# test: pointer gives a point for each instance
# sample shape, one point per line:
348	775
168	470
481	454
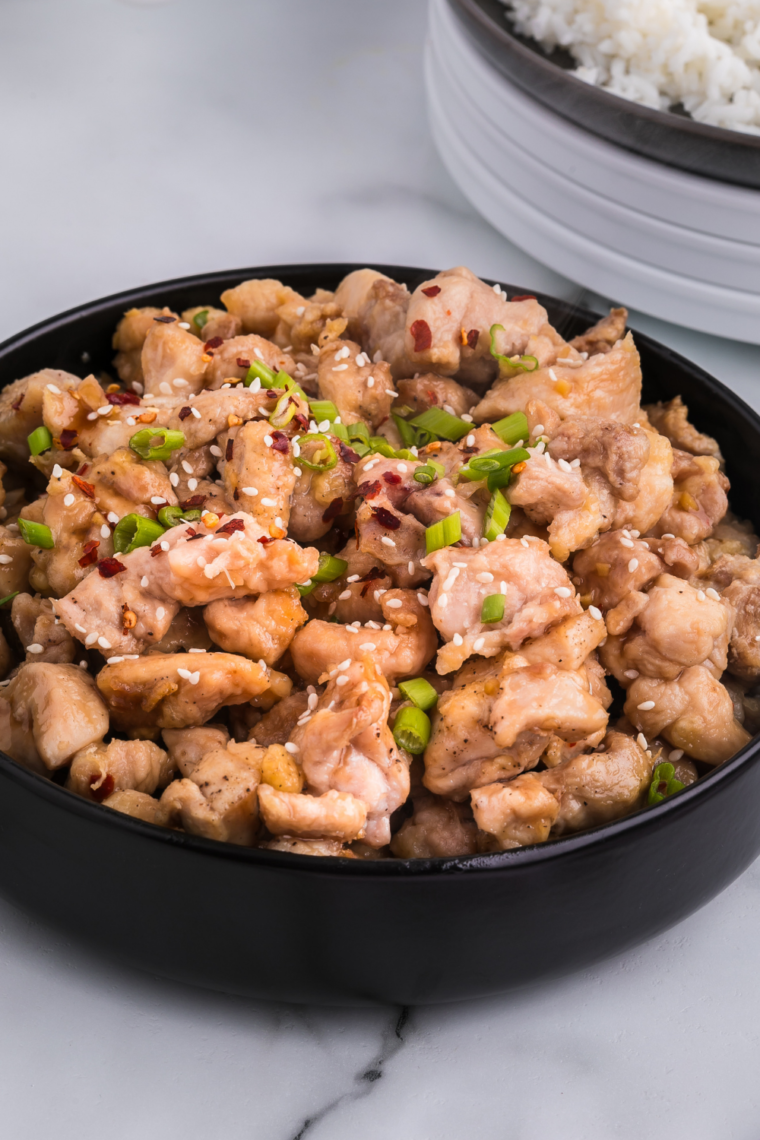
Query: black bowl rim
565	846
615	103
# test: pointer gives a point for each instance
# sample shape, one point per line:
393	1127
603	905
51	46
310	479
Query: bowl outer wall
278	926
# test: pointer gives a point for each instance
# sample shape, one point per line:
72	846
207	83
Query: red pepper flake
391	477
165	320
17	403
230	527
110	567
333	510
302	421
194	503
423	337
213	343
90	553
122	398
68	439
86	488
386	518
347	454
156	550
236	494
432	290
280	442
229	449
85	467
104	789
472	338
191	533
194	536
468	450
242	362
185	412
524	297
369	490
370	577
264	540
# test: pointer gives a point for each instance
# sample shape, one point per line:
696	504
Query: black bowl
665	136
290	927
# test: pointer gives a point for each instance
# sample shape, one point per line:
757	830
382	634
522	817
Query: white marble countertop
145	141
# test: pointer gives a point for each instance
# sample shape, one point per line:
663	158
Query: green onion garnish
36	534
173	516
379	444
142	442
262	372
200	319
133	531
325	457
360	448
512	428
39	440
492	609
663	784
443	533
425	474
284	410
9	597
442	424
340	431
514	364
420	692
323	410
497	516
493	461
405	430
358	432
411	730
328	570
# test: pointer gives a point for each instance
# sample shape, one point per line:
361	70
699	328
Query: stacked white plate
681	247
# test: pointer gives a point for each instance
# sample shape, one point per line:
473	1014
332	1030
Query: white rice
703	54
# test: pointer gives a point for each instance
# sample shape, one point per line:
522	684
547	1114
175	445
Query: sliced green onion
512	428
497	516
491	463
514	364
379	444
9	597
323	410
663	784
262	372
420	692
492	609
174	516
142	442
405	430
411	730
339	430
442	424
36	534
500	478
39	440
403	453
328	570
425	474
200	319
360	448
358	432
327	453
284	410
443	533
133	531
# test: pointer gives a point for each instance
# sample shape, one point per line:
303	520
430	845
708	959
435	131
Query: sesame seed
184	674
164	387
35	648
313	700
402	467
92	415
700	595
5	559
394	603
268	503
711	593
448	408
563	465
91	639
668	536
563	591
112	517
268	440
216	451
468	420
103	643
368	646
174	479
291	748
538	430
499	538
194	678
370	381
79	628
423	599
479	643
192	485
259	353
193	650
450	493
324	425
484	577
387	541
297	472
443	601
113	660
156	500
69	500
575	463
342	680
251	491
196	413
645	706
631	674
183	325
57	470
626	542
470	440
641	740
633	565
676	754
378	594
52	388
178	382
164	545
457	639
387	628
344	596
340	367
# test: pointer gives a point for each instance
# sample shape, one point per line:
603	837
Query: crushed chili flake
347	454
391	477
17	403
230	527
213	343
90	553
185	412
368	490
156	550
122	398
423	337
432	290
86	488
333	510
104	789
243	363
191	532
109	567
83	468
468	450
523	297
301	420
370	577
280	442
68	438
229	450
265	541
194	503
386	518
165	320
194	536
472	338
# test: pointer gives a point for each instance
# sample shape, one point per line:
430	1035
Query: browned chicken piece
17	739
192	471
15	561
125	484
230	361
672	420
137	804
7	660
217	412
437	829
21	410
694	712
332	815
256	303
100	769
541	697
318	847
655	488
129	339
175	690
743	594
359	388
397	540
41	635
558	497
277	725
188	746
220	799
604	335
307	321
347	746
86	421
258	476
313	503
615	566
187	631
515	814
399	652
607	385
172	361
60	705
74	521
208	322
448	327
699	499
617	451
732	536
375	307
432	391
537	594
261	628
354	592
676	626
597	787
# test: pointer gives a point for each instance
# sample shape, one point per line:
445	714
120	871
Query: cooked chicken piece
256	303
615	566
89	430
128	340
60	705
21	410
375	307
676	627
100	769
699	499
231	360
207	322
172	361
568	644
7	660
600	786
607	385
40	633
333	815
220	799
15	561
303	322
732	536
74	521
125	484
515	814
359	388
694	712
137	804
258	476
540	697
655	488
617	451
743	594
672	420
552	495
319	847
261	629
188	746
432	391
448	327
175	690
604	335
355	599
399	653
438	828
394	539
314	501
17	738
187	631
537	594
217	412
277	725
347	746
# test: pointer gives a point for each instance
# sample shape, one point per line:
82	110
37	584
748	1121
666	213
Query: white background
146	141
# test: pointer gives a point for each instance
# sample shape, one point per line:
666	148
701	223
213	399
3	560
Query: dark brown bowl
665	136
336	931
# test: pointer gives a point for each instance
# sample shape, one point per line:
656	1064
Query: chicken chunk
137	765
172	361
540	697
261	629
61	706
208	322
21	410
128	341
277	725
188	746
438	828
40	633
655	488
441	499
743	594
552	495
137	804
333	815
74	521
331	848
515	814
432	391
230	361
699	499
256	304
672	420
359	388
617	451
315	496
375	308
393	538
615	566
259	477
220	799
15	561
125	484
604	335
597	787
217	412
